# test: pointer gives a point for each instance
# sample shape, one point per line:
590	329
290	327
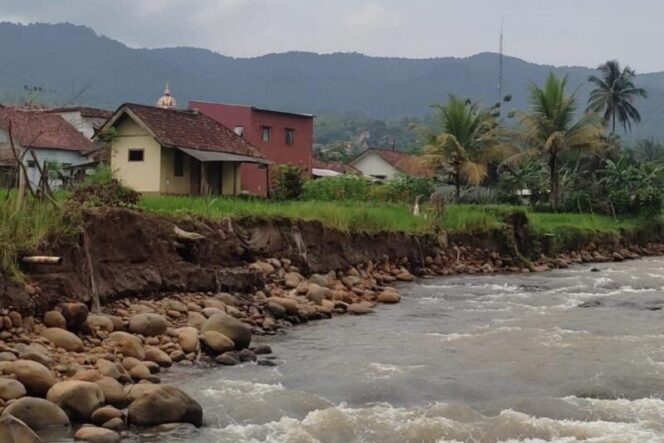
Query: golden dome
166	100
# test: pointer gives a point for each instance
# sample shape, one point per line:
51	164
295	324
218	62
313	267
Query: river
468	358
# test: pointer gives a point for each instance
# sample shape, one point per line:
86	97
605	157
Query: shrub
288	182
404	188
341	187
101	189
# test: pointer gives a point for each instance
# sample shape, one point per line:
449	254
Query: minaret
167	101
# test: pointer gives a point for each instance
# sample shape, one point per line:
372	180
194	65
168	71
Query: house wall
170	184
300	153
84	125
142	176
373	165
61	157
231	180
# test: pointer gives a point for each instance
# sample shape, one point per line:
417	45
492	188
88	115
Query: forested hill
53	63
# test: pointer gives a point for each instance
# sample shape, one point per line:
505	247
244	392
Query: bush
288	182
341	187
404	188
101	189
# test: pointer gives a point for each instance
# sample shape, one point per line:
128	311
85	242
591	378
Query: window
32	164
136	155
265	133
178	163
290	136
4	137
239	130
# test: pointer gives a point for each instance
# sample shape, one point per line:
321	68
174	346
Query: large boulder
36	377
232	328
114	393
317	293
134	392
158	356
100	322
79	399
93	434
55	319
188	338
166	404
37	413
289	304
126	344
63	339
389	295
216	342
196	320
13	430
148	324
11	389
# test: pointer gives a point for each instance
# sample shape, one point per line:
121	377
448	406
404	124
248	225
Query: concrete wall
373	165
84	125
231	180
170	184
142	176
61	157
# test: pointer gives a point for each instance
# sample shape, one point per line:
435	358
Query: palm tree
614	95
468	141
551	129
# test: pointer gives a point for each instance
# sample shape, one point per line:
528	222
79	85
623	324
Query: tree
552	129
468	142
614	95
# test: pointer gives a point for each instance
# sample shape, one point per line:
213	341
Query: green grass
551	222
33	226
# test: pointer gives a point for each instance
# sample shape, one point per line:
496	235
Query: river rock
93	434
37	413
388	296
7	356
167	404
63	339
262	267
140	372
148	324
36	377
34	352
196	320
11	389
115	424
55	319
188	338
292	279
114	394
320	280
275	309
134	392
218	343
90	375
104	414
231	327
76	315
209	312
227	359
100	322
316	293
108	369
14	430
359	309
126	344
289	304
79	399
158	356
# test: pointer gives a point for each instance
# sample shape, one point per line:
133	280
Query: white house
55	143
383	164
87	120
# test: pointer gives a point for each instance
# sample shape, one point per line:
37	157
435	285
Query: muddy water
474	358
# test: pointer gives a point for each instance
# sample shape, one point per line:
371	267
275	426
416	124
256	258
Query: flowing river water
469	358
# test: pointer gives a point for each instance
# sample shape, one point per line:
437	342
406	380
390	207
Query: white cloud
373	17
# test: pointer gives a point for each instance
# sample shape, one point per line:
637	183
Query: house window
4	138
136	155
178	163
32	164
239	130
290	136
265	133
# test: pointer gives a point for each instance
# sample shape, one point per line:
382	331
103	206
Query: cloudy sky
561	32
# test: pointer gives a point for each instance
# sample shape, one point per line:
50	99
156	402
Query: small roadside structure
163	150
383	164
43	141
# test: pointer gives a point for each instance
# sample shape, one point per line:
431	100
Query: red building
282	137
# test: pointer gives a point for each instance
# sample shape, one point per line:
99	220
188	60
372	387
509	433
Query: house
44	139
383	164
87	120
282	137
321	169
163	150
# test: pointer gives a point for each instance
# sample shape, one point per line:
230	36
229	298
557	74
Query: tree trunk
613	124
554	196
457	184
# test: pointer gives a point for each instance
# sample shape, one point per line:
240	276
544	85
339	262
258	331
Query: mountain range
72	64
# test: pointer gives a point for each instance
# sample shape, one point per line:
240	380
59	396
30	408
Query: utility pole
500	67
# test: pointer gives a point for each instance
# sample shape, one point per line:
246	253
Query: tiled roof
35	129
335	166
407	163
190	130
85	111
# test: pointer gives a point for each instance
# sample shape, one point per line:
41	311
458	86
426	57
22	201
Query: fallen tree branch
183	235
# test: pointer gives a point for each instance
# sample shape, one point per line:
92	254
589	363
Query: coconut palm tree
614	95
552	129
469	140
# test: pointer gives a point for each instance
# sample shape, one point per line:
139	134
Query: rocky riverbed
96	376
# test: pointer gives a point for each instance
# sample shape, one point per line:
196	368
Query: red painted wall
300	153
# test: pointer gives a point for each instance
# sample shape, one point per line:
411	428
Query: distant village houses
384	164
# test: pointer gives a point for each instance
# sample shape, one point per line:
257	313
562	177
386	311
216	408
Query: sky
556	32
